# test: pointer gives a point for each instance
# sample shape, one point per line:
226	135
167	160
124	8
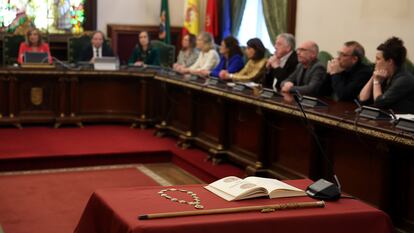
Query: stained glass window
53	16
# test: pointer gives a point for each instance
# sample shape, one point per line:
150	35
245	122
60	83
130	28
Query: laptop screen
36	57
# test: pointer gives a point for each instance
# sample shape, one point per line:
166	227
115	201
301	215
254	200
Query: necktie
96	52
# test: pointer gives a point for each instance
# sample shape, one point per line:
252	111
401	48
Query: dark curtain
275	14
237	10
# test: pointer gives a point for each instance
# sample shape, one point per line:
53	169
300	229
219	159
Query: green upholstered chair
11	45
409	66
366	61
324	57
167	53
75	46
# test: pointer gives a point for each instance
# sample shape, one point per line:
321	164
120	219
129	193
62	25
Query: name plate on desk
312	102
193	78
239	87
267	93
373	113
37	66
212	81
106	63
405	124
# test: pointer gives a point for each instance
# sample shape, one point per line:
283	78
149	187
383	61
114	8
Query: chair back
409	66
75	46
166	51
324	57
11	45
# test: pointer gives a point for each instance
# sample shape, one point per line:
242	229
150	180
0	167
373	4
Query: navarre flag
211	21
191	17
164	34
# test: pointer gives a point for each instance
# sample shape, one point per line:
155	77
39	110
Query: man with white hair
282	63
309	74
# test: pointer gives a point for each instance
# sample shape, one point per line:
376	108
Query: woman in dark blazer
144	53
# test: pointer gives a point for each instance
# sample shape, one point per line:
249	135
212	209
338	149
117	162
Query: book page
233	188
275	188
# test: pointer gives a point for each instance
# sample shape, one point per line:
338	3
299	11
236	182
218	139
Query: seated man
391	85
282	63
309	74
97	48
346	73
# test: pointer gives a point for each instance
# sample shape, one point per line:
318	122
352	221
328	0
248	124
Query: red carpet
43	147
44	142
53	203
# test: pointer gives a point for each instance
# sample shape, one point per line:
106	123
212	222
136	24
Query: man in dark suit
309	74
282	63
347	74
97	48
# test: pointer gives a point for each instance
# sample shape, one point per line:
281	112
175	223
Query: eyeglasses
302	50
342	54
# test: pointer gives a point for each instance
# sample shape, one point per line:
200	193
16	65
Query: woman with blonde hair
207	59
33	43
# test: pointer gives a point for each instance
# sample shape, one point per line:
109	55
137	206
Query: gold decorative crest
36	95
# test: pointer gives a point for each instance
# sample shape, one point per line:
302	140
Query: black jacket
281	73
397	93
87	52
347	84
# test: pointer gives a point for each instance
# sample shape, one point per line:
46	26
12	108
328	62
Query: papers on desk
405	116
248	84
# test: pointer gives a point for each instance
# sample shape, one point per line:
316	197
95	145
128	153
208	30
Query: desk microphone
64	65
359	109
321	189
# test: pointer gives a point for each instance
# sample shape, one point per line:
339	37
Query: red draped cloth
117	211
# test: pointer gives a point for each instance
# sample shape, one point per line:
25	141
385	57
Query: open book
232	188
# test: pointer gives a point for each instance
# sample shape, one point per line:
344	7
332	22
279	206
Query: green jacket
150	57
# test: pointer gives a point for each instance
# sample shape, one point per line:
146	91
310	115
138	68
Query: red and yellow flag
191	17
211	22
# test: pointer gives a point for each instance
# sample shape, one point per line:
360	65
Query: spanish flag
191	17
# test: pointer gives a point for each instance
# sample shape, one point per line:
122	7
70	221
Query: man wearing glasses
309	74
347	73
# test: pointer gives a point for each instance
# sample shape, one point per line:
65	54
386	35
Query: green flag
164	34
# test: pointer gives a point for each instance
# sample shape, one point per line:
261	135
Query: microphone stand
321	189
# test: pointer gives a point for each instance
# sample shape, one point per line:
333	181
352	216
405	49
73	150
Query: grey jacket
311	82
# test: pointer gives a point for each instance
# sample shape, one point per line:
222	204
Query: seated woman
144	53
207	59
254	69
33	43
188	53
231	59
391	85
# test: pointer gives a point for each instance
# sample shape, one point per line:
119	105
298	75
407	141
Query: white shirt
99	51
282	64
284	59
206	60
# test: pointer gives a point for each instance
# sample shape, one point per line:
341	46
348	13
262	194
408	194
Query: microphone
321	189
359	109
61	63
394	118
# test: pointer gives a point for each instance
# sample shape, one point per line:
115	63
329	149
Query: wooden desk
373	160
66	96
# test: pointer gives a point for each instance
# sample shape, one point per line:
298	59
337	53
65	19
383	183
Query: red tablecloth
116	211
